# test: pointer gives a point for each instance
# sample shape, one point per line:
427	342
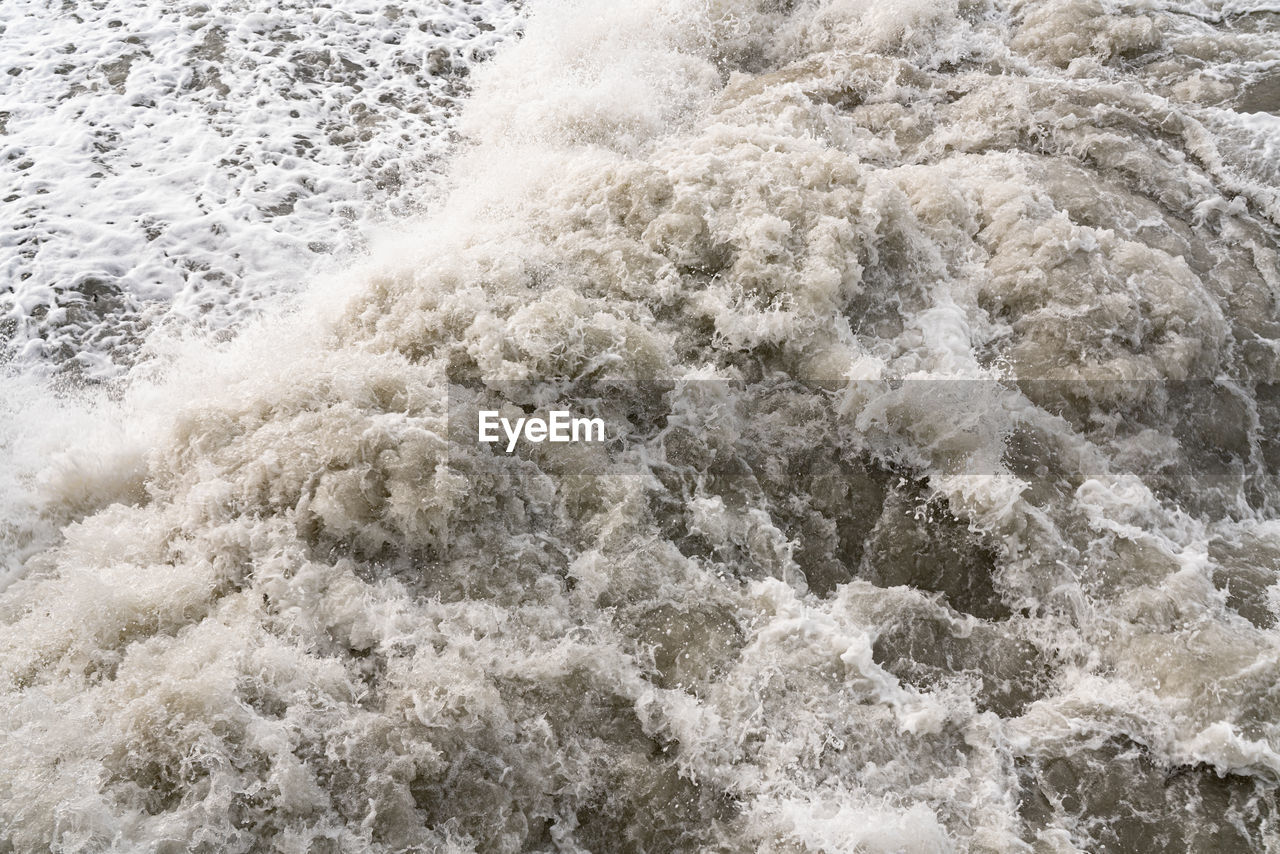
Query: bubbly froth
942	337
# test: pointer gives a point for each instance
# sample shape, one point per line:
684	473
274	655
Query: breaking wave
939	343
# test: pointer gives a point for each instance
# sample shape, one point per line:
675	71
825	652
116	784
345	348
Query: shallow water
175	163
937	343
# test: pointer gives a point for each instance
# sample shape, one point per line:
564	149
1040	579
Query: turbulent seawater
172	164
939	345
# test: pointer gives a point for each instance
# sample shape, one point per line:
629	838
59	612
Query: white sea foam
180	162
941	342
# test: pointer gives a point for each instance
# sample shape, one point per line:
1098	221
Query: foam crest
937	343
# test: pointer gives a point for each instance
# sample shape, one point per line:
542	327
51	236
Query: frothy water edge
290	610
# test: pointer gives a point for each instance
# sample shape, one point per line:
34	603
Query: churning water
939	344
